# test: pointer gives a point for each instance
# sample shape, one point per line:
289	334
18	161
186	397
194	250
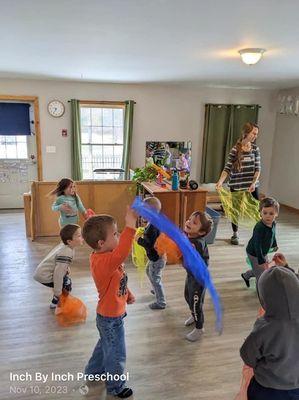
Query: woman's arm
257	169
221	180
254	181
227	169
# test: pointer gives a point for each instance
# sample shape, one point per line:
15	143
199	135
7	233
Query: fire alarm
64	132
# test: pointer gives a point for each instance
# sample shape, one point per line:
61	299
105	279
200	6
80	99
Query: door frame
34	100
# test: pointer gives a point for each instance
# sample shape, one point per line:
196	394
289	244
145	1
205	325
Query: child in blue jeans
156	263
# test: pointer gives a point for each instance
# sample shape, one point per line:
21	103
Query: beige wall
284	178
162	112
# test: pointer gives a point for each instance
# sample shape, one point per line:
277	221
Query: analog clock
56	108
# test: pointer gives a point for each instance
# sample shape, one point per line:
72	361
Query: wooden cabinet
104	197
177	204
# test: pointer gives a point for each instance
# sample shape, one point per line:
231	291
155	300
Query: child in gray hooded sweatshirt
272	348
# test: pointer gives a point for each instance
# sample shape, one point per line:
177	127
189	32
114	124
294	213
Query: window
102	134
13	147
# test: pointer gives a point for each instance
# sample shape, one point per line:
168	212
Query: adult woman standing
243	167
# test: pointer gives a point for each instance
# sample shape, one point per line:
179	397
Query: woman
243	167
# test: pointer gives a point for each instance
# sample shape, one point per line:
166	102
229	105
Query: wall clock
56	108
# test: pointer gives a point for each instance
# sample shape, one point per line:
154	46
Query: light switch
51	149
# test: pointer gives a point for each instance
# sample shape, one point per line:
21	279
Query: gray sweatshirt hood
278	289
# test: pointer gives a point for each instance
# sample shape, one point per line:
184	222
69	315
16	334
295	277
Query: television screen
171	155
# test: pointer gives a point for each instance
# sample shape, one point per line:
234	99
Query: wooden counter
103	197
177	204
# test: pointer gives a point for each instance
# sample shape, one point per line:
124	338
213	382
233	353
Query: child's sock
194	335
54	302
189	321
156	306
125	393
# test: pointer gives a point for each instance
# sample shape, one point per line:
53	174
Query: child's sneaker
194	335
189	321
125	393
54	302
246	280
153	292
234	239
156	306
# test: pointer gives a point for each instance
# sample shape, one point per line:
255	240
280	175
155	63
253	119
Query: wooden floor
161	363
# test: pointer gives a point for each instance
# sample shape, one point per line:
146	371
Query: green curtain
128	133
223	127
77	174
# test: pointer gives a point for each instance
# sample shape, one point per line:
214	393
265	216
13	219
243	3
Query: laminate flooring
161	363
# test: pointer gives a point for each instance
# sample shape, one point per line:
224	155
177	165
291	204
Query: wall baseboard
293	209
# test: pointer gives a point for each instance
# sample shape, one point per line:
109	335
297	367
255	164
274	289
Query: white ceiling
151	40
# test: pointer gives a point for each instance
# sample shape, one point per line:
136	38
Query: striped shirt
250	164
54	267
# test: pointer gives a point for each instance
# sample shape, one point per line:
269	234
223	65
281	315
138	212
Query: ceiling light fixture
251	56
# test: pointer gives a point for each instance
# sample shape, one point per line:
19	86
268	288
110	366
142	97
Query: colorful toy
240	207
164	245
70	310
193	262
161	171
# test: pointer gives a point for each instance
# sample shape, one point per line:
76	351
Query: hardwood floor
161	363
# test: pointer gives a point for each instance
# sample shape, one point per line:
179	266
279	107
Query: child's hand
251	188
280	260
265	266
131	218
138	236
65	207
131	299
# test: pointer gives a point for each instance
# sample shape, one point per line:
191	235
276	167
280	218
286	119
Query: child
272	347
182	162
197	227
156	263
68	203
262	240
53	271
108	272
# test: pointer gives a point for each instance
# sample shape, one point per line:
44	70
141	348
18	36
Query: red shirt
110	277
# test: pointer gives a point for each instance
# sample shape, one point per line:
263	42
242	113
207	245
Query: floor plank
161	363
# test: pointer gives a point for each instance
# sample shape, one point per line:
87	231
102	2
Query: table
177	204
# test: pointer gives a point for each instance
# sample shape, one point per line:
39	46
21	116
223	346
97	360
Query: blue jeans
154	273
259	392
109	355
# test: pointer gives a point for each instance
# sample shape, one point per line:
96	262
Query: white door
18	168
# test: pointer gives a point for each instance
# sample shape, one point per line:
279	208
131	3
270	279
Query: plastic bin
210	238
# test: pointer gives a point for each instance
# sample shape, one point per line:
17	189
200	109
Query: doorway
20	157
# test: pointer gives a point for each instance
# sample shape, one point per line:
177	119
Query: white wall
162	112
284	177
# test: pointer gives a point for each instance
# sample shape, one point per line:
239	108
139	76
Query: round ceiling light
251	56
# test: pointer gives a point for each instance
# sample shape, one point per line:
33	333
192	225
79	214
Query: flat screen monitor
171	155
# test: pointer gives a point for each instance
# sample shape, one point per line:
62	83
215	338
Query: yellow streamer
139	256
240	207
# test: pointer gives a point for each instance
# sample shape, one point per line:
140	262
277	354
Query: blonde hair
153	202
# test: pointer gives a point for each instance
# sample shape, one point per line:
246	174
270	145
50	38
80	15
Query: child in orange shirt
108	272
